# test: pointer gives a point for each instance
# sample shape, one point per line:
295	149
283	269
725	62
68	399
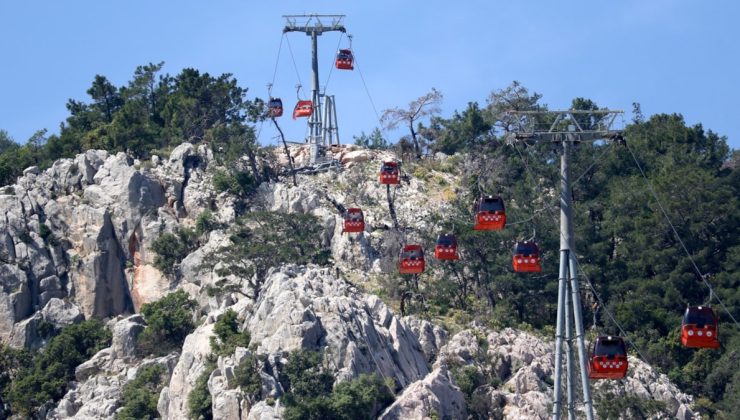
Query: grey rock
59	312
434	394
125	335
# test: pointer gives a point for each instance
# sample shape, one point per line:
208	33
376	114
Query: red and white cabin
345	60
446	247
490	213
389	173
699	328
608	358
303	109
354	221
526	258
411	260
275	108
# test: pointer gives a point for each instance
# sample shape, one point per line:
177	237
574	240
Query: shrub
141	395
172	248
205	223
228	337
44	231
169	320
247	377
200	405
47	376
310	394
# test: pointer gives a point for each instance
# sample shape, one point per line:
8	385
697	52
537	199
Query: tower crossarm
557	126
313	23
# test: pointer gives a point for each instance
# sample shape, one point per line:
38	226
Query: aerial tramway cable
680	241
367	91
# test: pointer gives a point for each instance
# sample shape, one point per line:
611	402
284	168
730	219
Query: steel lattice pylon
314	25
565	128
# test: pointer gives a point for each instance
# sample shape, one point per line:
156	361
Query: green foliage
461	132
172	248
310	394
228	337
374	141
205	223
261	240
200	405
241	184
140	396
247	376
361	398
169	320
152	112
46	376
612	406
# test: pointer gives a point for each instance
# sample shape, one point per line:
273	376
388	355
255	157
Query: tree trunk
287	152
417	148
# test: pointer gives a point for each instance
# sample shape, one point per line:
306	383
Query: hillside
272	277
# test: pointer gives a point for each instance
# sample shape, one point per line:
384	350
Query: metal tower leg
315	119
582	355
562	281
569	355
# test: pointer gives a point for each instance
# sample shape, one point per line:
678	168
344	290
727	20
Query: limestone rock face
310	308
82	230
523	364
189	367
435	395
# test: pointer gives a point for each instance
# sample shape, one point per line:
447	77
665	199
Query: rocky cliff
75	243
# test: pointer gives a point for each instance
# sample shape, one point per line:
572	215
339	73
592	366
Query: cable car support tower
563	129
314	25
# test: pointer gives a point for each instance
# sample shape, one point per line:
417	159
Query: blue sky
670	56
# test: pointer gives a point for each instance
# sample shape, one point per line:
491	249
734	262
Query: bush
169	320
172	248
205	223
228	337
247	377
310	394
200	405
141	395
47	376
240	183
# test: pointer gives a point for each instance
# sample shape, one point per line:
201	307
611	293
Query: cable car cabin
490	213
389	173
526	257
275	108
303	109
446	248
411	260
354	221
699	328
345	60
608	358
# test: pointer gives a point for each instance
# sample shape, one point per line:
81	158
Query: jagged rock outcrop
75	243
435	396
82	230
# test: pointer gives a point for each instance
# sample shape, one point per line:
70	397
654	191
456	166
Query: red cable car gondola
303	109
411	260
389	173
354	221
699	328
275	108
526	258
345	60
446	247
608	358
490	213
